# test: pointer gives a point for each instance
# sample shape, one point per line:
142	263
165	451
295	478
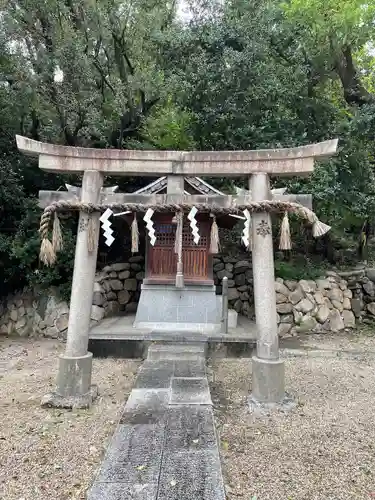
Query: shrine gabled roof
197	183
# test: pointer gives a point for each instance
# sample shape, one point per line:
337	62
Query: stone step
188	351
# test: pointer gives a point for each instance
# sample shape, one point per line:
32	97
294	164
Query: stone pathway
165	446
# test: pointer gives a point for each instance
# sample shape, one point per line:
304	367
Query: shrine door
162	260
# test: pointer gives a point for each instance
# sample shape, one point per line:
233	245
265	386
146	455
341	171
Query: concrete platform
121	328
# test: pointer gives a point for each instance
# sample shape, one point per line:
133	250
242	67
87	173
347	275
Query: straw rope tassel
214	237
319	228
91	234
135	235
285	239
47	254
57	240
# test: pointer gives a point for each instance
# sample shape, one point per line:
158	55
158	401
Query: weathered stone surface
136	259
348	318
229	267
241	266
223	273
130	284
323	284
98	299
319	298
307	286
280	298
244	296
233	294
369	288
13	315
284	308
219	267
335	294
286	318
334	322
357	307
370	273
291	285
120	266
123	297
307	324
281	288
111	296
124	275
97	313
242	288
140	276
116	285
283	329
347	294
305	306
323	313
238	306
338	305
240	279
62	322
371	308
136	267
347	304
296	296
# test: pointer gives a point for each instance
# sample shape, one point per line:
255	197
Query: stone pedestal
167	308
267	368
73	388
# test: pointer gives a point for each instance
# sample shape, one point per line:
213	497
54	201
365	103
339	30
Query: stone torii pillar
74	378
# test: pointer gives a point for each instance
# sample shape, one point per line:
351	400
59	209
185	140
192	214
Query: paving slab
155	375
120	491
146	406
134	456
190	391
193	368
190	428
191	475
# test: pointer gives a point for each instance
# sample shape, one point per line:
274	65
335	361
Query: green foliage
132	74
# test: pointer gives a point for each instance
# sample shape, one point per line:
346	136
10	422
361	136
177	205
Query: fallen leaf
173	482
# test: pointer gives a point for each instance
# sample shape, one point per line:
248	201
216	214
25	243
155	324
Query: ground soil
324	449
48	454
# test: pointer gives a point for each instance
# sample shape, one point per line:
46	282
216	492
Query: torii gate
74	377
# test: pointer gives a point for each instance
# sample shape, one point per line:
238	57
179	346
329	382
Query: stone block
120	266
109	296
286	318
280	298
237	306
189	391
219	266
51	332
224	273
21	323
155	375
241	266
370	273
240	279
357	307
97	299
281	288
233	294
296	296
305	306
323	313
283	329
319	298
97	287
116	285
124	275
291	285
136	259
134	456
335	294
348	318
229	267
284	308
130	284
323	284
112	307
307	286
338	305
191	475
14	315
136	267
307	324
62	322
370	307
334	322
97	313
123	297
369	288
132	307
121	491
348	294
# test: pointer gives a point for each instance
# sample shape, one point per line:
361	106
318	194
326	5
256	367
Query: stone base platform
121	328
